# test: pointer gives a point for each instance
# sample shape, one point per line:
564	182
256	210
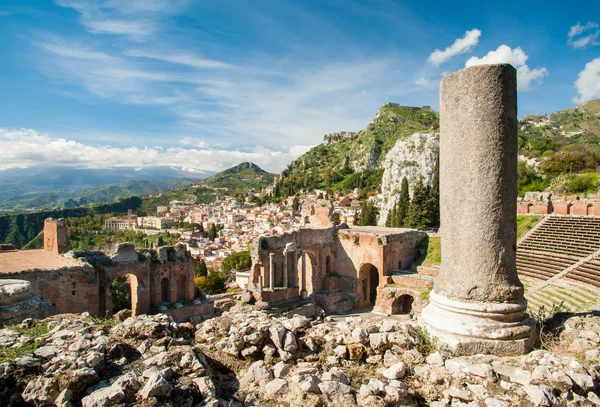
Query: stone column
303	293
260	283
295	274
477	305
285	270
272	271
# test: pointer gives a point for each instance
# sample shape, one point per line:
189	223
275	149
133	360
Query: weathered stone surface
477	305
155	386
107	396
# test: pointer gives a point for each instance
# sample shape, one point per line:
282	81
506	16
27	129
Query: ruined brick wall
316	214
55	236
66	290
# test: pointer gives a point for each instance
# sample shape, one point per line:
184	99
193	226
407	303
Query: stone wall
66	290
55	236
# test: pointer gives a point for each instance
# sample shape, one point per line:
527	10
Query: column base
304	294
468	328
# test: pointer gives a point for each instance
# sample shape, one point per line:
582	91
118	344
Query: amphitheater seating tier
559	243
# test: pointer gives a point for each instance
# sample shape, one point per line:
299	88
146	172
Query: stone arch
403	304
569	206
165	290
107	290
589	209
369	280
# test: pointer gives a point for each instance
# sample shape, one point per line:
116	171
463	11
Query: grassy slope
394	123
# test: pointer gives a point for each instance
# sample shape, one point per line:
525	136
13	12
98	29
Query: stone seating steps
560	242
542	265
588	272
574	296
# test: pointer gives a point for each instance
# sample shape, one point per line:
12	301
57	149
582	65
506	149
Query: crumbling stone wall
55	236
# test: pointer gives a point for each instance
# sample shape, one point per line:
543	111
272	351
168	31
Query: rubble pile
247	357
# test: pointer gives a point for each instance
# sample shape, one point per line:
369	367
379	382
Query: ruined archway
123	294
165	289
369	279
403	304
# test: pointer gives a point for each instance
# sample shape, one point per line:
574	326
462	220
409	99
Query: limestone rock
396	371
276	386
41	391
106	396
155	386
412	158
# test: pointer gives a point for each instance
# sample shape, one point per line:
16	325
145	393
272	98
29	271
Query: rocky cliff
411	158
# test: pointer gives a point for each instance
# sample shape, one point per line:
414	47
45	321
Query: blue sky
208	84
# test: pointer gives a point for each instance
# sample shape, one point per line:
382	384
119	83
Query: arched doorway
403	304
123	294
164	290
369	278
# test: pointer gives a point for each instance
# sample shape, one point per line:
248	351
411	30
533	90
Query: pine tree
368	214
295	204
418	213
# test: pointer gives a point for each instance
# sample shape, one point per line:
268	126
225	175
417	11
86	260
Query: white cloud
588	82
427	83
577	40
461	45
517	58
26	147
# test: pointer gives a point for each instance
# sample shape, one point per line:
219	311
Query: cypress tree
418	213
403	204
434	196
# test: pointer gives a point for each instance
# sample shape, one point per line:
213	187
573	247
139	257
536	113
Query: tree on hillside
201	228
236	261
212	233
295	204
402	205
418	215
201	269
368	214
433	202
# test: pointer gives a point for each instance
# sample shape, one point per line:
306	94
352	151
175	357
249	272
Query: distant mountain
41	187
242	178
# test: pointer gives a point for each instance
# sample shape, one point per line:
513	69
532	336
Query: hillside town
237	223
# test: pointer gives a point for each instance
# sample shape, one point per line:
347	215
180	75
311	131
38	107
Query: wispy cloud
576	38
461	45
133	19
278	102
588	82
26	147
181	58
517	58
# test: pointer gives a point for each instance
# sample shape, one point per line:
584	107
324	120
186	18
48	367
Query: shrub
213	283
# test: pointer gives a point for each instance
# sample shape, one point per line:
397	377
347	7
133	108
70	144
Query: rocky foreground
248	358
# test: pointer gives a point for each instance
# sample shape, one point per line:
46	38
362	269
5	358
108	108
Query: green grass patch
36	330
104	321
525	223
431	252
7	354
